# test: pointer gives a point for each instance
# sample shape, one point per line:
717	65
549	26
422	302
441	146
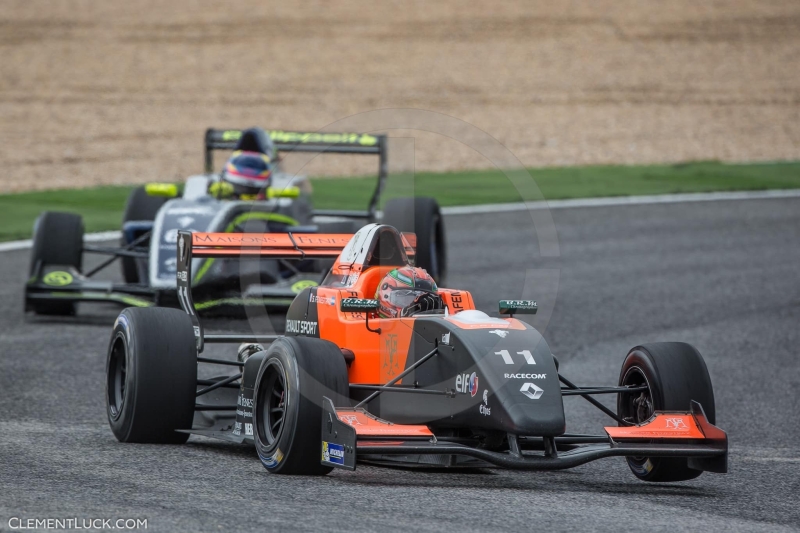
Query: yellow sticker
286	192
304	284
231	135
58	278
168	190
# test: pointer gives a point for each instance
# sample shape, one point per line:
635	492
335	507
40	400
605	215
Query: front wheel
297	372
151	376
675	374
57	240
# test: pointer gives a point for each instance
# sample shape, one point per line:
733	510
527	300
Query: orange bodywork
379	356
661	426
367	425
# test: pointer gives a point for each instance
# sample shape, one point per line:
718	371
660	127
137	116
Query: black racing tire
57	240
140	206
287	413
422	216
151	376
675	374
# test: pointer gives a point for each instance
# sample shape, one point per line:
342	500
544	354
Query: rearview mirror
523	307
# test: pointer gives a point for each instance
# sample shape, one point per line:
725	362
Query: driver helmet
406	291
248	172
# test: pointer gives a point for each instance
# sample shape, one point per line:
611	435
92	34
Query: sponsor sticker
456	299
274	460
298	286
332	453
525	376
676	423
325	300
191	211
350	419
351	305
301	327
351	279
484	408
467	383
58	279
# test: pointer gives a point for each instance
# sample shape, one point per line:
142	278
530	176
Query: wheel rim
117	372
272	399
636	407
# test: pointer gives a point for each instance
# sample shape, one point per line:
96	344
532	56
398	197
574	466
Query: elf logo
467	383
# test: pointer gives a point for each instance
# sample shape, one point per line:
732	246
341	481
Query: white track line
90	237
622	200
521	206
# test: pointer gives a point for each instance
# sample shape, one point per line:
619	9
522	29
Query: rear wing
228	245
275	245
297	141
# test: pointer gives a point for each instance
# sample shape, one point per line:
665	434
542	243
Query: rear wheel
287	415
57	240
140	207
675	374
422	217
151	376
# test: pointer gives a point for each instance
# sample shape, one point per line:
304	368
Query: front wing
60	284
668	434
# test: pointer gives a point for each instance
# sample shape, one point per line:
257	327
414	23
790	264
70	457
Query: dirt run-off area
101	91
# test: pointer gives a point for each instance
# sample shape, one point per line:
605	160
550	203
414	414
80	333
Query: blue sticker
272	461
332	453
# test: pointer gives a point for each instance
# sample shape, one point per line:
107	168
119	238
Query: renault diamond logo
184	221
531	391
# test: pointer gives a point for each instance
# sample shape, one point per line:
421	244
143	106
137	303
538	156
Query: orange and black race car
447	387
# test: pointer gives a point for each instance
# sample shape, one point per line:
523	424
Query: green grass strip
102	207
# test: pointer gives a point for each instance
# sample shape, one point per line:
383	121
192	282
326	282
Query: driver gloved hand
424	302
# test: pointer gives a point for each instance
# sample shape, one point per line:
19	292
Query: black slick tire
57	240
151	376
675	374
297	372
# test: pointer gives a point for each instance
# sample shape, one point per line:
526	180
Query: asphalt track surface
722	276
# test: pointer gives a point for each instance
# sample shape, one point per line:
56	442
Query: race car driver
248	172
407	291
246	176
